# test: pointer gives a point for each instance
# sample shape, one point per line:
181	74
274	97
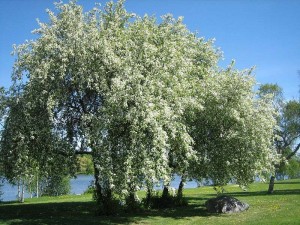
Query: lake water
78	186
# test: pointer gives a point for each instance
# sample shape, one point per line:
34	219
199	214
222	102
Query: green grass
282	207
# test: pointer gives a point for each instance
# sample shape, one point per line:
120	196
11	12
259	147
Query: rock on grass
225	204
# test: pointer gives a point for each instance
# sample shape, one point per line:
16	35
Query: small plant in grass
166	200
219	189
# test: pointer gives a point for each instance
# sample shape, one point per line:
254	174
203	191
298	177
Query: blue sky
265	34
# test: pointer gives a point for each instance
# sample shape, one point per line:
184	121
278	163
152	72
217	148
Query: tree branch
82	153
293	152
75	153
289	142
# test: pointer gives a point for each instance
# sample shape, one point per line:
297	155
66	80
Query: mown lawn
282	207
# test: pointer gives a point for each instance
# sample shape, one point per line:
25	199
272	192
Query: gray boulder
225	204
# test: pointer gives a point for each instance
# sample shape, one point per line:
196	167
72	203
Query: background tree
288	122
290	169
85	164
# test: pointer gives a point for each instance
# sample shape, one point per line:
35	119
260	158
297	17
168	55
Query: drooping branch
75	153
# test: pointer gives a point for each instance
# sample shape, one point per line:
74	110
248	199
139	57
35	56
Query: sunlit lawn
282	207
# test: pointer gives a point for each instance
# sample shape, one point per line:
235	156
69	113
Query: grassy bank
282	207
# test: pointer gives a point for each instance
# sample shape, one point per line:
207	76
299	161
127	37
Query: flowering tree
127	90
28	149
233	133
117	89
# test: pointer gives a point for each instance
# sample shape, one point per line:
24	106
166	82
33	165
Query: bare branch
294	152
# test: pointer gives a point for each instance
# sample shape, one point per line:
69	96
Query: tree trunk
271	185
19	191
180	188
165	193
166	200
131	202
148	196
30	189
272	179
97	191
23	191
103	196
107	205
37	185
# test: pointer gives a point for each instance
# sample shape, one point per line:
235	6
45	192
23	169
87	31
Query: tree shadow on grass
264	193
286	182
74	213
55	213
